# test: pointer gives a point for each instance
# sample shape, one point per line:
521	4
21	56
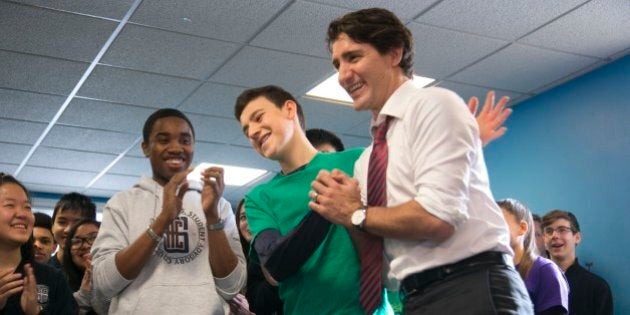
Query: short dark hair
43	220
379	28
557	214
275	94
76	202
537	218
318	137
163	113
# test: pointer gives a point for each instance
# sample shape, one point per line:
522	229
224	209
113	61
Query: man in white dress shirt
446	244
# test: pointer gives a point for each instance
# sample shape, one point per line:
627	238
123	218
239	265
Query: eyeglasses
77	242
562	230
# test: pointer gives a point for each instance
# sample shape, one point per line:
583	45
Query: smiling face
44	244
82	244
561	241
368	76
64	220
268	127
170	148
16	217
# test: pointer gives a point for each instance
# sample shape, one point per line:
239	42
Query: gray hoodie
178	278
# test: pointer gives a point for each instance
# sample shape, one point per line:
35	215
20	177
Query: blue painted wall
569	148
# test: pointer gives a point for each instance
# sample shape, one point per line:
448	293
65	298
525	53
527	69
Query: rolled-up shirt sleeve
230	285
443	152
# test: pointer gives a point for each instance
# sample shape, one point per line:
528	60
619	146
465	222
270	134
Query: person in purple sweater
546	284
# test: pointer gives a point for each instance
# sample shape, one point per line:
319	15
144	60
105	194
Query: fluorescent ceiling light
232	175
331	91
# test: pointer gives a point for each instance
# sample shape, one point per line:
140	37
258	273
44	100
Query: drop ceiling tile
70	159
332	117
15	131
404	9
235	21
133	87
231	155
53	177
60	189
214	129
13	153
106	116
213	99
466	91
29	106
8	168
56	34
440	52
254	67
132	166
115	182
39	74
496	18
83	139
606	33
115	9
102	193
144	48
525	68
301	29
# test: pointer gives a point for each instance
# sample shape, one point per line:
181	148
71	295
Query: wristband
152	235
216	226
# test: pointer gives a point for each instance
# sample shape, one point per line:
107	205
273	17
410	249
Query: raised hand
10	283
86	282
491	117
28	302
213	186
173	195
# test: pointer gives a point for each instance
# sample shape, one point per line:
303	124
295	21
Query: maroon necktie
371	251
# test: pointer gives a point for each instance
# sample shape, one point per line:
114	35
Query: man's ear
396	56
291	109
578	238
145	148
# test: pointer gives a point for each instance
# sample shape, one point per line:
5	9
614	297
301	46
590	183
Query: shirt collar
396	104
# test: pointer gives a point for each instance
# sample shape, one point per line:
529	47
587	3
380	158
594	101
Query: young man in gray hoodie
157	252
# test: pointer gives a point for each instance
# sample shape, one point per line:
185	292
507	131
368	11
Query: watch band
216	226
153	235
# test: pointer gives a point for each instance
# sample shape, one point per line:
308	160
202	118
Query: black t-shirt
53	292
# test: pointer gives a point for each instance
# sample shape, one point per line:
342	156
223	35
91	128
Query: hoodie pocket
180	299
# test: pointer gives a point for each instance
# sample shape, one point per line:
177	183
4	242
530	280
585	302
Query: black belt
420	280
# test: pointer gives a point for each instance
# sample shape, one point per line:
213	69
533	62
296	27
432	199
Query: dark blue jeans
490	289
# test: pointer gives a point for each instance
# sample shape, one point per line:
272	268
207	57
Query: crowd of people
408	224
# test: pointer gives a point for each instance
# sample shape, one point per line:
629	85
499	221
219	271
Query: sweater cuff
230	286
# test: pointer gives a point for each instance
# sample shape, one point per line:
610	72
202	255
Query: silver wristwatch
358	218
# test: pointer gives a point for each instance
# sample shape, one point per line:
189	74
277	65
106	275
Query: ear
578	238
396	56
145	148
290	108
522	228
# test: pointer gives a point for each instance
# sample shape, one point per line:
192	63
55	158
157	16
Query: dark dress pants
493	289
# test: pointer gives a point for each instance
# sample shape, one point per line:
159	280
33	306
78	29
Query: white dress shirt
436	159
